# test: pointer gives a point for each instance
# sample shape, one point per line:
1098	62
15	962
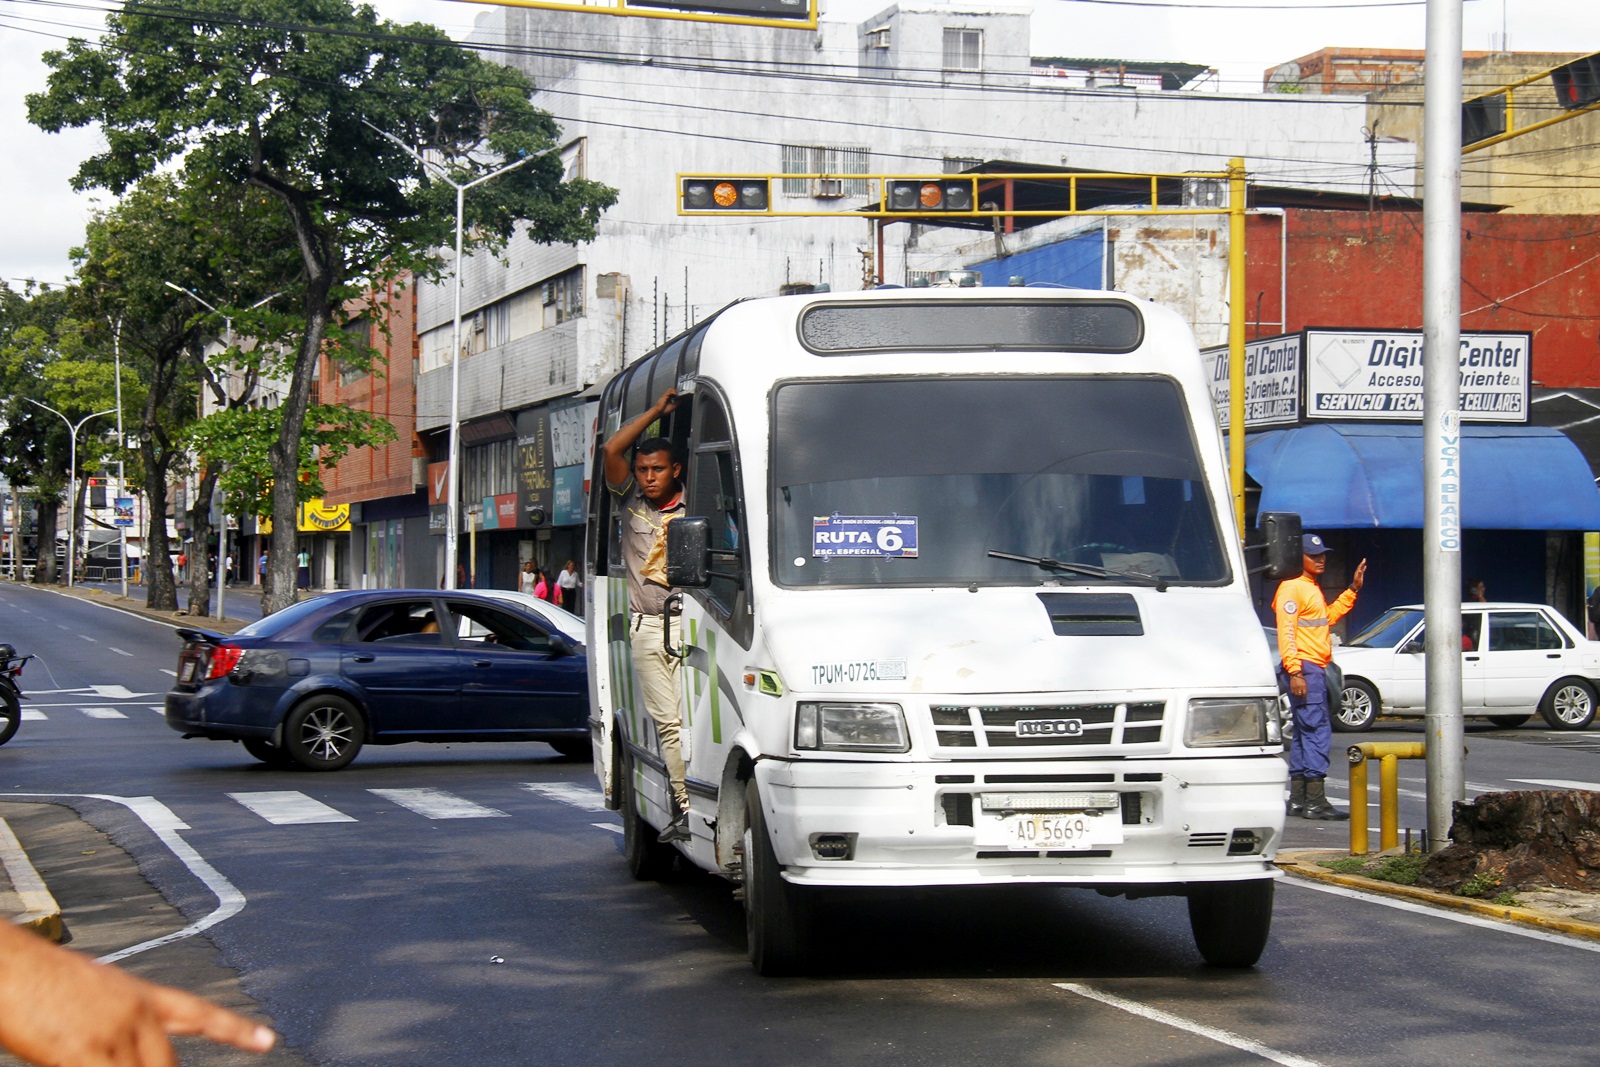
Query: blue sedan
312	684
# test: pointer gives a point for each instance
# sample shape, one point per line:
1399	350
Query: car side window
1522	631
1471	628
408	622
476	624
336	629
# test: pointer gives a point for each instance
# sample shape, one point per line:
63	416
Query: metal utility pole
453	499
1441	413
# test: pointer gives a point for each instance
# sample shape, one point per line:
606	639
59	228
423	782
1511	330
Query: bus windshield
916	481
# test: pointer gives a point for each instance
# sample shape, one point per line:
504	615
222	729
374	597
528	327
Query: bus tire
648	860
1231	920
777	915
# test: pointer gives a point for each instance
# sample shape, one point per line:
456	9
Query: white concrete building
918	88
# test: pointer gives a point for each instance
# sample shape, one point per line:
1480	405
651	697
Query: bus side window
714	494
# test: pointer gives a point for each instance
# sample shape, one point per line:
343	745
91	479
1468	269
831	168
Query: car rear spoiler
203	636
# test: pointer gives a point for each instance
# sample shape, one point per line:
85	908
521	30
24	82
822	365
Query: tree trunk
320	251
45	571
161	591
200	554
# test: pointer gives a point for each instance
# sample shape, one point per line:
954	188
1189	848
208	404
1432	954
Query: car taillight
224	658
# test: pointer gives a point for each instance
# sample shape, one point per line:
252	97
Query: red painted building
1351	268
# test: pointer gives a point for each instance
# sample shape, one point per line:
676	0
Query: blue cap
1312	545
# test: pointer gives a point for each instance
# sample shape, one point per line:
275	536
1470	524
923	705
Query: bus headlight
841	727
1220	722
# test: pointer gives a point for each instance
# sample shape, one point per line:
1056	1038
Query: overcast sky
43	218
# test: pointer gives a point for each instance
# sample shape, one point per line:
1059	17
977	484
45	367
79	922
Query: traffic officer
1305	648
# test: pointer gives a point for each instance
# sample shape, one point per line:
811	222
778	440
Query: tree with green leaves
294	98
48	357
140	261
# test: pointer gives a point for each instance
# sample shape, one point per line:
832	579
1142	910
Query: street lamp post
453	490
122	447
72	479
222	511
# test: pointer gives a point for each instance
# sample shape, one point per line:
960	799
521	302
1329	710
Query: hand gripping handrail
1388	754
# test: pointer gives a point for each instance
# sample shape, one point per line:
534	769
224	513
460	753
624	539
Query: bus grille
1070	725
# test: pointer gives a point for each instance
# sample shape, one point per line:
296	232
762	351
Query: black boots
1297	797
1316	802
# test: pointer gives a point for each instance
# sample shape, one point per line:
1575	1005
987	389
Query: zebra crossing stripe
289	808
103	713
568	793
437	804
33	715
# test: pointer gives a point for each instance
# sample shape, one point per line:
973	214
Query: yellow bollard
1388	754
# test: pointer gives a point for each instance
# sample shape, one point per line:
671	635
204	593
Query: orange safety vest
1303	621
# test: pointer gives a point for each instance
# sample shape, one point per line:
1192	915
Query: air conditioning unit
477	322
827	188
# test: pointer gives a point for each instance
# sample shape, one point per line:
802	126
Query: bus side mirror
1285	557
689	553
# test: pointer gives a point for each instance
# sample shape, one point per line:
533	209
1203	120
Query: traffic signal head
1578	83
1482	118
923	195
725	194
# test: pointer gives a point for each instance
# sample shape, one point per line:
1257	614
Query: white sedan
1515	659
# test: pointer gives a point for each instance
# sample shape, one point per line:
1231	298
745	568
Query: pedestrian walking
527	578
1305	648
567	582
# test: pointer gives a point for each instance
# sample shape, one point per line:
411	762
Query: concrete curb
1303	864
26	898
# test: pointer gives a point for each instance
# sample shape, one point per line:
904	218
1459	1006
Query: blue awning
1352	476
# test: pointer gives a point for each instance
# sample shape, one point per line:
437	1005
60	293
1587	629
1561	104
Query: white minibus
958	600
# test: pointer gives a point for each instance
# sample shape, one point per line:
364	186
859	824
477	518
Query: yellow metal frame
1235	210
623	9
1509	92
1388	754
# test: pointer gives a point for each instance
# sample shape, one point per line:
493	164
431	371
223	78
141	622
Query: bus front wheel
777	915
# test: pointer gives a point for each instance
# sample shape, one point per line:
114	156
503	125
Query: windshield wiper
1088	569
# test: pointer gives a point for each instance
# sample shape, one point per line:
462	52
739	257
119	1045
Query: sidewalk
242	603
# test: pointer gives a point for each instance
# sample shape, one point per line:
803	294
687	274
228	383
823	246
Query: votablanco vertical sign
1377	374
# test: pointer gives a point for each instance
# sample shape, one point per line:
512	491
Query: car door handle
362	657
1470	659
483	663
1552	655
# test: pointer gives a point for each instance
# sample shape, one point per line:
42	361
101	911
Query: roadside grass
1404	870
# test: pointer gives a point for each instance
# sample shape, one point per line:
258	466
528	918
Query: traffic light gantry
1492	117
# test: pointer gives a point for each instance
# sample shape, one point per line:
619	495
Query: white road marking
580	797
86	637
1557	783
1166	1018
173	673
1463	917
607	826
116	692
165	825
289	808
30	715
437	804
103	713
119	651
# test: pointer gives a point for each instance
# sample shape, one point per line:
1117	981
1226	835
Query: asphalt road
468	904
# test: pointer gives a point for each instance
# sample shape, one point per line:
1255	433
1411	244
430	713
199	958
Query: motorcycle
10	691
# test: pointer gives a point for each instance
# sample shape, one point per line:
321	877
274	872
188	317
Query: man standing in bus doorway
1305	648
652	496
